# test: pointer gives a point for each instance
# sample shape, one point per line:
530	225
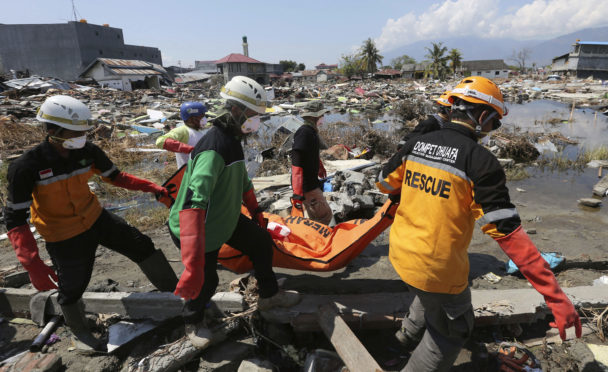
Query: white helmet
247	92
66	112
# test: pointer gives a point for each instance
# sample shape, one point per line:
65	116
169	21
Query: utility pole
74	11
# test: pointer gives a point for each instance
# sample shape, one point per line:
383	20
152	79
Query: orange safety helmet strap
464	93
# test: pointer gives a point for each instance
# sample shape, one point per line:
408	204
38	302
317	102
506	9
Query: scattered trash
122	332
553	259
492	278
602	280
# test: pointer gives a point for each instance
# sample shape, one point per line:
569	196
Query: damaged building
125	74
64	50
588	58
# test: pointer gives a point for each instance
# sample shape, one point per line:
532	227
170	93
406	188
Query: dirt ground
571	231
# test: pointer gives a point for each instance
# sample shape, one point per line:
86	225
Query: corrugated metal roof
237	58
112	62
593	42
130	71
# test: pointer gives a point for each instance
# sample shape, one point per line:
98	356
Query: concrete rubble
367	120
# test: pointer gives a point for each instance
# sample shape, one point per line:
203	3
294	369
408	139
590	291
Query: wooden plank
171	357
347	345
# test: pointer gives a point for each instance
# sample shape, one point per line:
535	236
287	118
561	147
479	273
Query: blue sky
309	31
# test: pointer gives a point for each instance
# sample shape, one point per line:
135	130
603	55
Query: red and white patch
45	173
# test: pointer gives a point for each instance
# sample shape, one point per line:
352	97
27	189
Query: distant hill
544	52
477	48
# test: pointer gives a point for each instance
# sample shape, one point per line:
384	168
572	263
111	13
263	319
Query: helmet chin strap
478	125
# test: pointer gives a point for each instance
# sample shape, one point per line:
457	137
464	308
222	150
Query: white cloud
483	18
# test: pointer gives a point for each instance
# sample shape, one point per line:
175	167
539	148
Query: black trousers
255	243
74	258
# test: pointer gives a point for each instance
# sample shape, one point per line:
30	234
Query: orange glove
192	245
130	182
177	146
26	248
524	254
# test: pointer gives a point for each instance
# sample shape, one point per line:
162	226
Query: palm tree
370	57
438	66
456	58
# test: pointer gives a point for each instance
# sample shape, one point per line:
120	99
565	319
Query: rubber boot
281	298
199	334
82	339
407	342
159	272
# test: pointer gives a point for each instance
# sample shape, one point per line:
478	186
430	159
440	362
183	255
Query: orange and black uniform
447	181
67	214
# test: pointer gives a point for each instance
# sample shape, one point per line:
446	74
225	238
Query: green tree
288	65
370	56
438	66
301	67
398	62
455	58
350	65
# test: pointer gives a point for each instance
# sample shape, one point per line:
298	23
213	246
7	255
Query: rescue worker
207	210
50	181
447	181
307	167
182	139
435	121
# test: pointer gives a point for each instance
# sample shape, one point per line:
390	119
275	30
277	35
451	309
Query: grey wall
148	54
47	50
64	50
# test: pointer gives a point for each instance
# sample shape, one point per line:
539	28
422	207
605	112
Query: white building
488	68
124	74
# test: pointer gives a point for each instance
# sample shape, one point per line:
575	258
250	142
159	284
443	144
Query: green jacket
215	180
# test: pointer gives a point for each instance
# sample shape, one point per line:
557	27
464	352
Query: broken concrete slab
152	305
601	187
385	310
590	202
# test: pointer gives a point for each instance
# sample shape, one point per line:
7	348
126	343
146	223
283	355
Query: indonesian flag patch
45	173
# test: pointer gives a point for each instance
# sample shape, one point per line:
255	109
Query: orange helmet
443	99
477	89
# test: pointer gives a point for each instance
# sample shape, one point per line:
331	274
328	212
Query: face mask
321	121
203	122
75	143
71	143
484	140
251	124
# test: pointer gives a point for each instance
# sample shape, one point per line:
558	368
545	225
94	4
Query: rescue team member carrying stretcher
51	181
207	210
447	181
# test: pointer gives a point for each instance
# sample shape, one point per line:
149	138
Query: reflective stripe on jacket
447	181
56	190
